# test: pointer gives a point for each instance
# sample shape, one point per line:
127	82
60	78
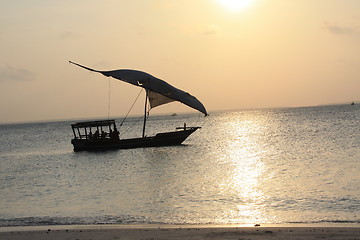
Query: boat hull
159	140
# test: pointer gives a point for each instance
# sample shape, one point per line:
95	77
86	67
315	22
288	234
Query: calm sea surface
295	165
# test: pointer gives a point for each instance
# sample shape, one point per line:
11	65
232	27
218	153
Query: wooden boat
103	134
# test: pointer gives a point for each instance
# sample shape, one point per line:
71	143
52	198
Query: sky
230	54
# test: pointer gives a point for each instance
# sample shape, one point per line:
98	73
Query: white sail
157	99
160	92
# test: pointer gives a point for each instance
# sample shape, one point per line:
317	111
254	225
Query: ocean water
290	165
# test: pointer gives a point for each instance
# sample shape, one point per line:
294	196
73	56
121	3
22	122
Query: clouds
9	73
340	30
67	35
210	30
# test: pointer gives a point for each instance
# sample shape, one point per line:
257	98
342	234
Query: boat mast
146	99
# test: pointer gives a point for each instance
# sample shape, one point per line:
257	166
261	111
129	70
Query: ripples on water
261	166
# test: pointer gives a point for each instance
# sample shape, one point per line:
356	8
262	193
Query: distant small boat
352	103
103	134
174	115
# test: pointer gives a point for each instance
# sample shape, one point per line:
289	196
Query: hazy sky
267	53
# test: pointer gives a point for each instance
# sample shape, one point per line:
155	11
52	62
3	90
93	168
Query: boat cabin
95	130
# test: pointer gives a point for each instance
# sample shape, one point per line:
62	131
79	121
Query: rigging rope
131	108
109	100
135	122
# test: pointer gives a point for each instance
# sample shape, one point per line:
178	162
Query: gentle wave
42	221
129	220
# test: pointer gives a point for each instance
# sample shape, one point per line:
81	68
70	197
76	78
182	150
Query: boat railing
95	130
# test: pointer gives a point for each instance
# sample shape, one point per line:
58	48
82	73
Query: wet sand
125	232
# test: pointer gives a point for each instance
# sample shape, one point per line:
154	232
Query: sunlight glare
235	5
243	181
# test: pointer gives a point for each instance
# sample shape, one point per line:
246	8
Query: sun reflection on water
243	154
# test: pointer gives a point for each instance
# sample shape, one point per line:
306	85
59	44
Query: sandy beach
253	233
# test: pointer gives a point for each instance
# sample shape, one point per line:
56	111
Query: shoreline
161	231
170	226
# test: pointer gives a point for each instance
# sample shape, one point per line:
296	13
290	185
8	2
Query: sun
235	5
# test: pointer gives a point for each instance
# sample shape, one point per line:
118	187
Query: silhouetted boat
103	134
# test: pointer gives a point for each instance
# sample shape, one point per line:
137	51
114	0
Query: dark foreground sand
238	233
